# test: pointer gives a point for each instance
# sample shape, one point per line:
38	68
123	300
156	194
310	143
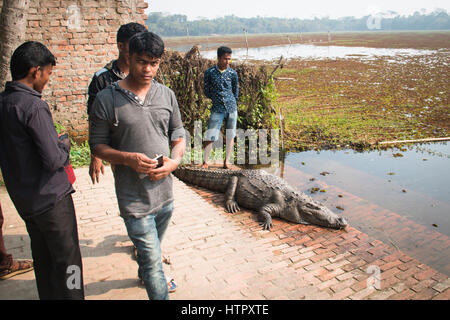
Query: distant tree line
178	25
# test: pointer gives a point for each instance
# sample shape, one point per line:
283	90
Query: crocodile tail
216	180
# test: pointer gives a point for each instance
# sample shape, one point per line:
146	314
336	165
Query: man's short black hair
148	43
223	50
128	30
28	55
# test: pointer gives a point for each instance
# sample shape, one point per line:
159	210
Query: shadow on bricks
102	287
111	244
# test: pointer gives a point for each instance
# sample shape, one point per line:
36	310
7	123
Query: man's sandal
171	285
17	267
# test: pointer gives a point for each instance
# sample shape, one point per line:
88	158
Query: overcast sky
195	9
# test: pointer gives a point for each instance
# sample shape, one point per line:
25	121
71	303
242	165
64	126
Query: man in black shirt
32	159
114	71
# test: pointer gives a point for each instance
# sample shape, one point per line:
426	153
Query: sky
195	9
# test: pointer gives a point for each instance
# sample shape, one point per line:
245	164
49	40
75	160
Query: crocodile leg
230	203
270	210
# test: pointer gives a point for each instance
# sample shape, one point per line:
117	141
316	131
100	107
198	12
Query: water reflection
317	52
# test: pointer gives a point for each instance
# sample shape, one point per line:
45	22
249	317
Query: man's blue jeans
146	234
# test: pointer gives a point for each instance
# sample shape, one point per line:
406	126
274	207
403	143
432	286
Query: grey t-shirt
125	123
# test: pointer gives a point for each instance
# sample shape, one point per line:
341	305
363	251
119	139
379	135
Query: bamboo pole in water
246	41
415	141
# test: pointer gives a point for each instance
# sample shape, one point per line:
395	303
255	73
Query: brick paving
431	247
217	255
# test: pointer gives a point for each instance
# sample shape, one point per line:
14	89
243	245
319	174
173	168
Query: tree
13	24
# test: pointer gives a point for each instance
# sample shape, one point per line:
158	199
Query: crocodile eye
311	206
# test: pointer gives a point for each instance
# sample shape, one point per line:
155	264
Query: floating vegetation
336	105
314	190
391	174
340	208
432	152
324	173
397	155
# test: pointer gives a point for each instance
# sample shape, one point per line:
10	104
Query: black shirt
101	79
31	157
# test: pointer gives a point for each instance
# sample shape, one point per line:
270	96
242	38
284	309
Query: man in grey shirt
131	122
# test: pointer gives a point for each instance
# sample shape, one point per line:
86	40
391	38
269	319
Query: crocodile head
315	213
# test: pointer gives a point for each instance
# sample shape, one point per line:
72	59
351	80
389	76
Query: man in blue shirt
222	87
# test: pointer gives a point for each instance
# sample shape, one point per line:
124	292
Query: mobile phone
160	160
63	137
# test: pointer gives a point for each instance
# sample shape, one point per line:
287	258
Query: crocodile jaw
318	214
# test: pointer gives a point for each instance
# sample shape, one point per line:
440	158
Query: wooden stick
414	141
278	65
246	41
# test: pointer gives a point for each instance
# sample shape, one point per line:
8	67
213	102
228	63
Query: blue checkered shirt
222	88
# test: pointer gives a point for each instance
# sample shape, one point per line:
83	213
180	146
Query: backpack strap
116	112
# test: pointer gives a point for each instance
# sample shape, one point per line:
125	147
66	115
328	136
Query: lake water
402	200
309	51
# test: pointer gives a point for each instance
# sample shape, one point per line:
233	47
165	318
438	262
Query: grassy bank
357	103
372	39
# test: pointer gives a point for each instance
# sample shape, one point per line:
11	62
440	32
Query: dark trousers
56	252
5	258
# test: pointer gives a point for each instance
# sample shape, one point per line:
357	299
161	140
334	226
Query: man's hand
168	167
140	163
64	139
95	168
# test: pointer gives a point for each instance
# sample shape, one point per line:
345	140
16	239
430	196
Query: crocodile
270	196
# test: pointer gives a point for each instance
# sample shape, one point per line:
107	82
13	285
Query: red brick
324	256
443	296
355	265
302	241
343	284
342	294
406	274
407	265
427	274
329	275
389	273
301	263
425	294
423	285
389	282
404	295
360	285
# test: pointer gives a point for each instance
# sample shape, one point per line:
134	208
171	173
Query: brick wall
82	35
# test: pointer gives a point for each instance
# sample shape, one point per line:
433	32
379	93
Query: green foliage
59	127
80	155
178	25
184	75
